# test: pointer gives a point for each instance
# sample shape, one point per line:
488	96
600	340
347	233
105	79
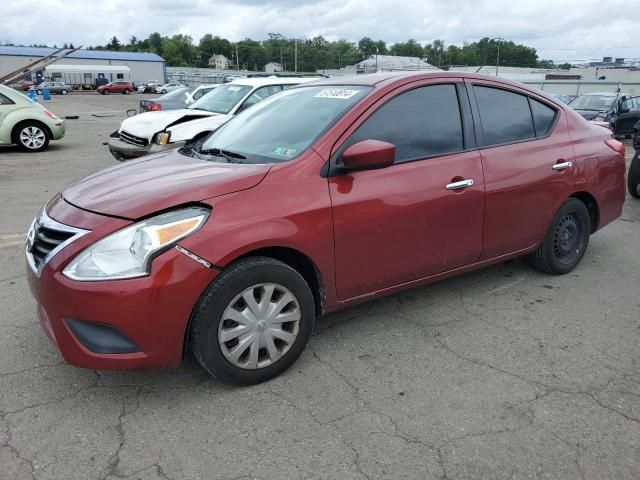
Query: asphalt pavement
502	373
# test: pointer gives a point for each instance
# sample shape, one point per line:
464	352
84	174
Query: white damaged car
153	132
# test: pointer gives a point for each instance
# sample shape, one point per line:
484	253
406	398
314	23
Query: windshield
222	99
284	125
593	102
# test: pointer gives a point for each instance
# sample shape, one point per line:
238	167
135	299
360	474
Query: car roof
602	94
261	81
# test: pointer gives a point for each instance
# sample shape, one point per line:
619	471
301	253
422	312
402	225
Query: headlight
128	253
162	138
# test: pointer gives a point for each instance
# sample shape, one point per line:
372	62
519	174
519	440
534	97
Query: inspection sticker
284	152
339	93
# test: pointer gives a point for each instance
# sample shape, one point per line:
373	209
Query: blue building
86	67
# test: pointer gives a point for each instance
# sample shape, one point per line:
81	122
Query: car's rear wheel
39	92
126	91
633	176
566	240
253	322
164	90
64	91
31	136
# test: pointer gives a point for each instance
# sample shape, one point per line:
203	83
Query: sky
561	30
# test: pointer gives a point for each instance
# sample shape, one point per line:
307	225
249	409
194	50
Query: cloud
568	30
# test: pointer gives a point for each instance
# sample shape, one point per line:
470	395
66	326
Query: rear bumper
126	151
144	320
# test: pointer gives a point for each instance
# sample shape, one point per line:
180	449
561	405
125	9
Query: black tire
24	127
126	91
565	242
39	92
633	176
64	91
214	301
163	91
105	92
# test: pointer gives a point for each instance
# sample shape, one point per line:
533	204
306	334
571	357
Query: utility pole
295	56
498	56
237	59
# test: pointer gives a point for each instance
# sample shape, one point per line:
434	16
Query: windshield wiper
231	157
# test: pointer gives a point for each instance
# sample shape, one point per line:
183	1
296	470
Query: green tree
367	47
155	43
114	44
179	51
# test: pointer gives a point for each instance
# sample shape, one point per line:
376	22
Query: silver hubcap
259	326
32	137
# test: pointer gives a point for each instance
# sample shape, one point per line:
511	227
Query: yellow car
26	123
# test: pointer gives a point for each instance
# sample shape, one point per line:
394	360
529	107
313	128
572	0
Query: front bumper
150	313
125	151
57	129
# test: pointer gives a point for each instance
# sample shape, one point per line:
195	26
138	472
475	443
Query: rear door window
422	122
543	117
505	116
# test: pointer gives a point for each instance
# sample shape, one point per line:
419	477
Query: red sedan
315	199
120	86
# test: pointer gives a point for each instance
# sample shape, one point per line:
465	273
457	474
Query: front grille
133	140
47	237
45	241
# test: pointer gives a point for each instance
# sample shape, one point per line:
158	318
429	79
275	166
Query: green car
26	123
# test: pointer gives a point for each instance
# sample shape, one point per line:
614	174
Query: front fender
16	116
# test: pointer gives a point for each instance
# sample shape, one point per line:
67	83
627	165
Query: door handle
459	185
562	166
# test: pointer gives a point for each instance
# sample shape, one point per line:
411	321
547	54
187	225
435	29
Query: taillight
154	107
615	145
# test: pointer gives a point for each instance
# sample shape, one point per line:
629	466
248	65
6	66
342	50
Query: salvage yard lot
500	373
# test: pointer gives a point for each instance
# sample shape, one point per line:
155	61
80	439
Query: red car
119	86
315	199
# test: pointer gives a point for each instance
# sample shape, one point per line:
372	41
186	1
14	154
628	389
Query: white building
273	67
142	66
219	62
391	63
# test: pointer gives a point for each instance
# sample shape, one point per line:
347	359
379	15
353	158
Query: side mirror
368	155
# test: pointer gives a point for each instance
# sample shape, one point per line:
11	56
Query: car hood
146	125
150	184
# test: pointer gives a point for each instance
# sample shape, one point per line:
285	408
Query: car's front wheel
163	91
31	136
105	92
64	91
126	91
633	176
566	240
39	92
253	322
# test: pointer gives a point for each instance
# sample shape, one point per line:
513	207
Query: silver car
53	87
167	87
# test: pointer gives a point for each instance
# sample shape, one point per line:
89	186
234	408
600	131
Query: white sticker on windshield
339	93
284	152
233	88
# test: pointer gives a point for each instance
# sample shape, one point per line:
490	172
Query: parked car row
620	110
159	130
178	98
